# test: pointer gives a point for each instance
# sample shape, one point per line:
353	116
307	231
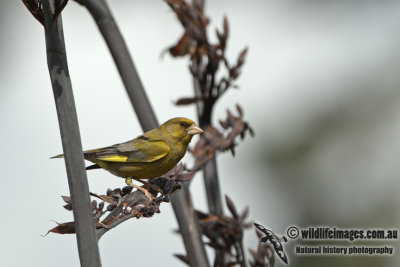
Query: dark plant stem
210	170
190	232
206	114
68	122
211	183
185	216
240	256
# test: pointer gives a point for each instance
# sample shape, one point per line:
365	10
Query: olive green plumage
149	155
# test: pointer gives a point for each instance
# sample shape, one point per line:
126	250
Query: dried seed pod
111	207
109	192
68	206
94	204
126	190
67	199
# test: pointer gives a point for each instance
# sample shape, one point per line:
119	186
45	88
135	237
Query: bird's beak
194	129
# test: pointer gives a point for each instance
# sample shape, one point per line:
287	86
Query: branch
69	128
136	204
123	204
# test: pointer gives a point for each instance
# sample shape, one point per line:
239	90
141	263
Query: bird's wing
140	149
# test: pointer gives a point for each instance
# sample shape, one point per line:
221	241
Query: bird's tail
91	167
87	154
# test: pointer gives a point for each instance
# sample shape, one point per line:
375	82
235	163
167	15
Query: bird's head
181	129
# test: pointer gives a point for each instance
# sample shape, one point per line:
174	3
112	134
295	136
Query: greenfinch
149	155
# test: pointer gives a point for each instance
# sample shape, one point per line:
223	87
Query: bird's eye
182	123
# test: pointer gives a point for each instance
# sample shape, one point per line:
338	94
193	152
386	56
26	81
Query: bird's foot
146	184
128	181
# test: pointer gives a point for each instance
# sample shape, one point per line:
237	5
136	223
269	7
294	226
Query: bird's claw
128	181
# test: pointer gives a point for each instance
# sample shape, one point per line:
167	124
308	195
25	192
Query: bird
147	156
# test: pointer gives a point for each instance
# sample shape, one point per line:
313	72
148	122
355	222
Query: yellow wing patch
115	158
